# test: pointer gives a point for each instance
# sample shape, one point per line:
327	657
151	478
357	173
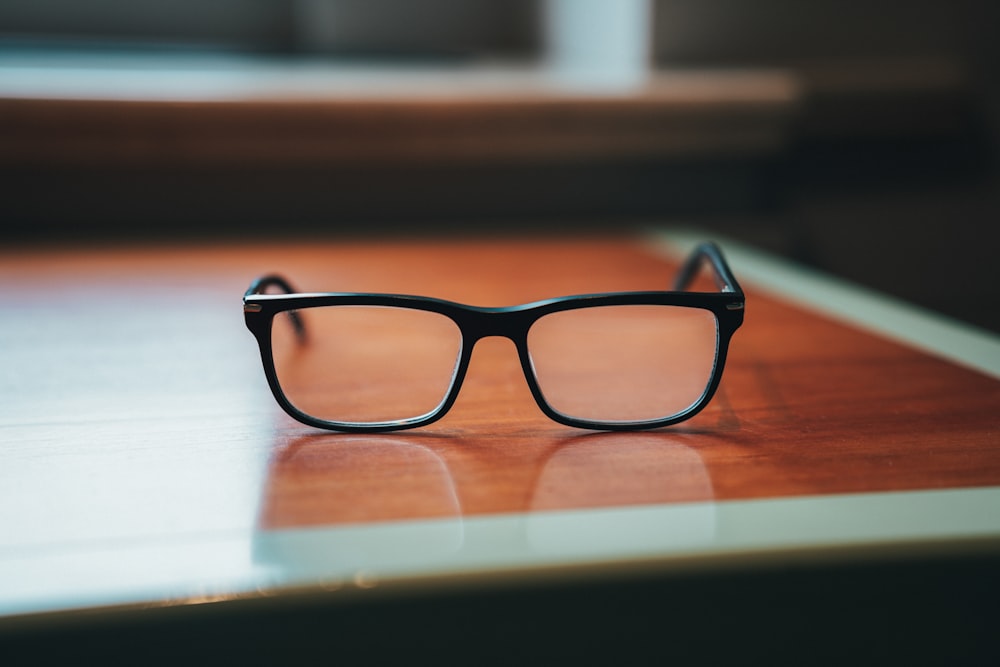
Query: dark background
888	177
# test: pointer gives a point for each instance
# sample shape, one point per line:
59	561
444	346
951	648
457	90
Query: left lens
621	364
366	364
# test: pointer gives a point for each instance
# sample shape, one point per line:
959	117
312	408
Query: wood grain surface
134	403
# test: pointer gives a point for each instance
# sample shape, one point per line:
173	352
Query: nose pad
494	387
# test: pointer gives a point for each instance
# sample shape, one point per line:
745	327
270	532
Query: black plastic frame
512	322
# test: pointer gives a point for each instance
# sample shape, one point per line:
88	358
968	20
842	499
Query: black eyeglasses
382	362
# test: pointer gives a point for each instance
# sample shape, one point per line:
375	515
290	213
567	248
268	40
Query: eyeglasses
382	362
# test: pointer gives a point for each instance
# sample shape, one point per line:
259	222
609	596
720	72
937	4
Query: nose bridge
501	323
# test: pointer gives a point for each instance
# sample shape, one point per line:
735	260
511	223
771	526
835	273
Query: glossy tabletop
143	460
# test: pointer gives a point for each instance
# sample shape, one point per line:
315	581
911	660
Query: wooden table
841	494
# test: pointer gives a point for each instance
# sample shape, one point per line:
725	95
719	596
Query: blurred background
857	138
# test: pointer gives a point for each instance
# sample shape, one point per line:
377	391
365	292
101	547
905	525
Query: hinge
252	307
738	305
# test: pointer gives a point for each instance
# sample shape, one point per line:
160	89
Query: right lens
622	364
366	364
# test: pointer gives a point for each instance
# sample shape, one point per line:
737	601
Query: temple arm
721	272
260	286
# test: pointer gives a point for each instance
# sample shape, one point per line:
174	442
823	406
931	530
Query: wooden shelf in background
266	113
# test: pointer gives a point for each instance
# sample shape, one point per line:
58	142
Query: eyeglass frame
511	322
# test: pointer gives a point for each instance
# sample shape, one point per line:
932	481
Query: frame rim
511	322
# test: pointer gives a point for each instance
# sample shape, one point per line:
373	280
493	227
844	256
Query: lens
620	364
366	364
